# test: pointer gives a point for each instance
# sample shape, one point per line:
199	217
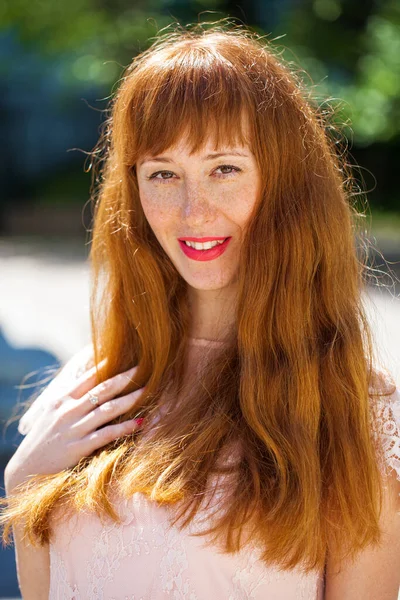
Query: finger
62	385
98	439
58	386
85	382
27	420
106	412
24	425
105	391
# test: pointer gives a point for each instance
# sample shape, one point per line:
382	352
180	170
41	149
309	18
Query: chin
204	286
204	281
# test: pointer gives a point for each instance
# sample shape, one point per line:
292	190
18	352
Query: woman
227	434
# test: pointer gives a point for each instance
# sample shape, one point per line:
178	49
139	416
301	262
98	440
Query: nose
197	208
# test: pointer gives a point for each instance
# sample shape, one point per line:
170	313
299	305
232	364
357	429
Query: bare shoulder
33	568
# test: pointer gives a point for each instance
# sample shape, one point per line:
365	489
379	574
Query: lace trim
388	424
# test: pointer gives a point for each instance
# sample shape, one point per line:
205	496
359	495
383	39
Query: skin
185	195
61	427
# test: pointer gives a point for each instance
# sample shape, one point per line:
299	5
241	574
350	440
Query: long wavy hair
294	381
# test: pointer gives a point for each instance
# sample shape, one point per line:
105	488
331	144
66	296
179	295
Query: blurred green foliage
349	51
97	35
354	57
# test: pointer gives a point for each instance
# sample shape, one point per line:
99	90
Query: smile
203	245
208	250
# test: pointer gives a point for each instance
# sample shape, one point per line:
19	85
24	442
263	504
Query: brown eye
154	175
231	167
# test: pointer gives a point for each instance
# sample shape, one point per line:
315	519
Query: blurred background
59	66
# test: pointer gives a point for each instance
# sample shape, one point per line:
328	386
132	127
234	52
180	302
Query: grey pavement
44	297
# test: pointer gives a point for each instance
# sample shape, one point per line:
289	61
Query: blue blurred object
28	367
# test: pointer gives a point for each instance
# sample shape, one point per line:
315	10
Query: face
203	195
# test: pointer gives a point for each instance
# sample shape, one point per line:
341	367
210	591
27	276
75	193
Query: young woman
227	434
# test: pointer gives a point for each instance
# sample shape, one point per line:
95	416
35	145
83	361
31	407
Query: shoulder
385	407
74	368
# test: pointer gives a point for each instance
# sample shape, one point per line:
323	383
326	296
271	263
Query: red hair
294	383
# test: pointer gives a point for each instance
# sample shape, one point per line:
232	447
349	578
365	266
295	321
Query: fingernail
139	421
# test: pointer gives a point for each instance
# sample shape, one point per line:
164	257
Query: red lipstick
202	255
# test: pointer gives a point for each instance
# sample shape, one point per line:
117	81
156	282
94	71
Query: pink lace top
145	558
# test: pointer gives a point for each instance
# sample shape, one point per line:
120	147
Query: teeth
204	246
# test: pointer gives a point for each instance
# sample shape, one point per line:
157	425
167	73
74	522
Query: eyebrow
165	159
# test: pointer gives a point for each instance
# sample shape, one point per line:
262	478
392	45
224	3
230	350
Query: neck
213	313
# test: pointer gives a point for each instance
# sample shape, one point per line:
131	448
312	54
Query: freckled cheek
159	215
238	207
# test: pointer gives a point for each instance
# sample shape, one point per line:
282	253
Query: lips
202	255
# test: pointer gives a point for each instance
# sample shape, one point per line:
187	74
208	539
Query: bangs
193	94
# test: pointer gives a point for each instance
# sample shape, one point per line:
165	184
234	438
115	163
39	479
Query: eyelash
236	169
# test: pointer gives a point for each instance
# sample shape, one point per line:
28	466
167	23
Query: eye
235	169
154	175
170	174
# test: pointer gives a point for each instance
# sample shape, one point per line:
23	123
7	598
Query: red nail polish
139	421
